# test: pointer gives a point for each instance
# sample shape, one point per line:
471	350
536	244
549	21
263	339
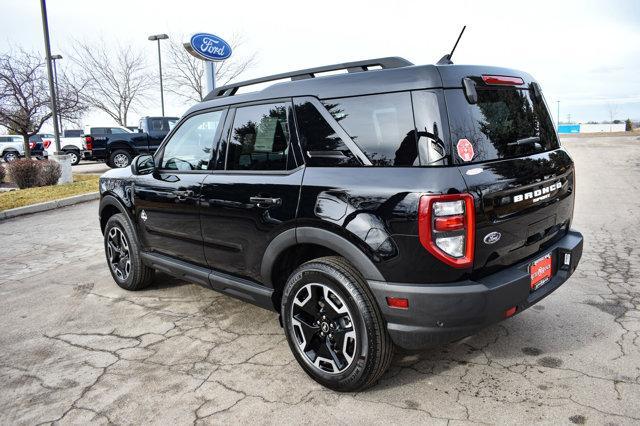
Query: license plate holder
540	272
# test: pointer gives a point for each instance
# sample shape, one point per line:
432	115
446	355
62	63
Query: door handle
183	195
265	202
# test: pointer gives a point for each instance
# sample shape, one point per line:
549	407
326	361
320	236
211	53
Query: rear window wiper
533	140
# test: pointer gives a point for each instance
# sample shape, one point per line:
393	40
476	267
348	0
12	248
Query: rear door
253	195
509	155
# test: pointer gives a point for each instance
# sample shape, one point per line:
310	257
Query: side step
227	284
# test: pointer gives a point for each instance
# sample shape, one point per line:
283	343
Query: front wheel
123	255
10	156
119	159
333	325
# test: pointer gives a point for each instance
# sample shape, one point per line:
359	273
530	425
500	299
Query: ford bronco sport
389	205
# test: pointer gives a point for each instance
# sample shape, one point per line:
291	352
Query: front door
167	202
252	196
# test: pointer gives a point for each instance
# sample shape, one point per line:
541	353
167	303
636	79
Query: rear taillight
47	143
446	226
32	145
502	80
88	142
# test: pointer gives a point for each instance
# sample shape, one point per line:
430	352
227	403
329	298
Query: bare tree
24	95
117	78
185	73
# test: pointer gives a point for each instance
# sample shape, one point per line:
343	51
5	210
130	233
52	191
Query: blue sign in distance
210	47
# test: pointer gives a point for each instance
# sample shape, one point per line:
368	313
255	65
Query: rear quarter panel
376	208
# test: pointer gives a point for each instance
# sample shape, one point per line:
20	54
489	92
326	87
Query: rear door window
259	138
381	125
505	123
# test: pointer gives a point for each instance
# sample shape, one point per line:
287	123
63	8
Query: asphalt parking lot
75	348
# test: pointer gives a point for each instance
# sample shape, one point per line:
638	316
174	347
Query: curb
48	205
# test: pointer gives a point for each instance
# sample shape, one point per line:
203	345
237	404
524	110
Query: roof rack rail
357	66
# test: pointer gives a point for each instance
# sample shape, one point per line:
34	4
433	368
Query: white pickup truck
71	143
12	148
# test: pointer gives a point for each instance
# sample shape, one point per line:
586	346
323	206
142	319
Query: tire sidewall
322	273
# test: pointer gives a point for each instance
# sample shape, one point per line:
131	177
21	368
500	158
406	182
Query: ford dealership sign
210	47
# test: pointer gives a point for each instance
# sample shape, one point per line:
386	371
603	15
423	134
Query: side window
259	138
155	125
381	125
116	130
431	146
321	145
190	146
142	125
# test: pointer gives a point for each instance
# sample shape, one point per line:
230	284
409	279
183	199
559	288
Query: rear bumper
440	313
86	154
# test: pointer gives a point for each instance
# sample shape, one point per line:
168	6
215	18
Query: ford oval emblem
492	237
210	47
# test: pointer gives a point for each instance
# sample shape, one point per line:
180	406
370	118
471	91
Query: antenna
446	59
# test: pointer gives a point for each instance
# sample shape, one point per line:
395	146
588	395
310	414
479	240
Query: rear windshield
505	123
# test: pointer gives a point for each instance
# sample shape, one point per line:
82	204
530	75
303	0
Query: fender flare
111	200
321	237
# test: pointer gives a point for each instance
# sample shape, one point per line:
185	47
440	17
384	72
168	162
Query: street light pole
158	37
55	77
52	90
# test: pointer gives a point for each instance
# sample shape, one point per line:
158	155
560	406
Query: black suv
388	205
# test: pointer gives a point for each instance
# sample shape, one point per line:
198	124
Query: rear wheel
333	325
74	156
119	159
123	255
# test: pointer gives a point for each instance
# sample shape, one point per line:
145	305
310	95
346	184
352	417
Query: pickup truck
71	143
12	148
117	146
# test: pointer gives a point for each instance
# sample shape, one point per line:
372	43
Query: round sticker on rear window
465	150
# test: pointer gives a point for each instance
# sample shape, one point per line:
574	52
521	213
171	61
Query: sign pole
210	73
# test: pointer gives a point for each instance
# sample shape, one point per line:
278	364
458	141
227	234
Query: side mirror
143	164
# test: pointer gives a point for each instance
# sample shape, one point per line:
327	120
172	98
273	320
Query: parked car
12	148
71	144
118	145
391	205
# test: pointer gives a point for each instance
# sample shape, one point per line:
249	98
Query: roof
400	75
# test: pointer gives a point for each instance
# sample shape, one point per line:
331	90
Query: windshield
505	123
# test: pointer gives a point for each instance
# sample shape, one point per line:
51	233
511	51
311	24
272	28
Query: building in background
590	128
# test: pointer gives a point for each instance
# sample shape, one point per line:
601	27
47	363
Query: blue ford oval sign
210	47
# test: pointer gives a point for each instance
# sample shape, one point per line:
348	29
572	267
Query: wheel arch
70	148
296	246
110	205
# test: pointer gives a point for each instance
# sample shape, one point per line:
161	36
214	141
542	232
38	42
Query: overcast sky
584	53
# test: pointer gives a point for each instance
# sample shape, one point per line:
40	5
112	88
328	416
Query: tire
74	156
119	159
360	356
128	271
10	156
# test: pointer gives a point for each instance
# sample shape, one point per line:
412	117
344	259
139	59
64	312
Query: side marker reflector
398	302
510	312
